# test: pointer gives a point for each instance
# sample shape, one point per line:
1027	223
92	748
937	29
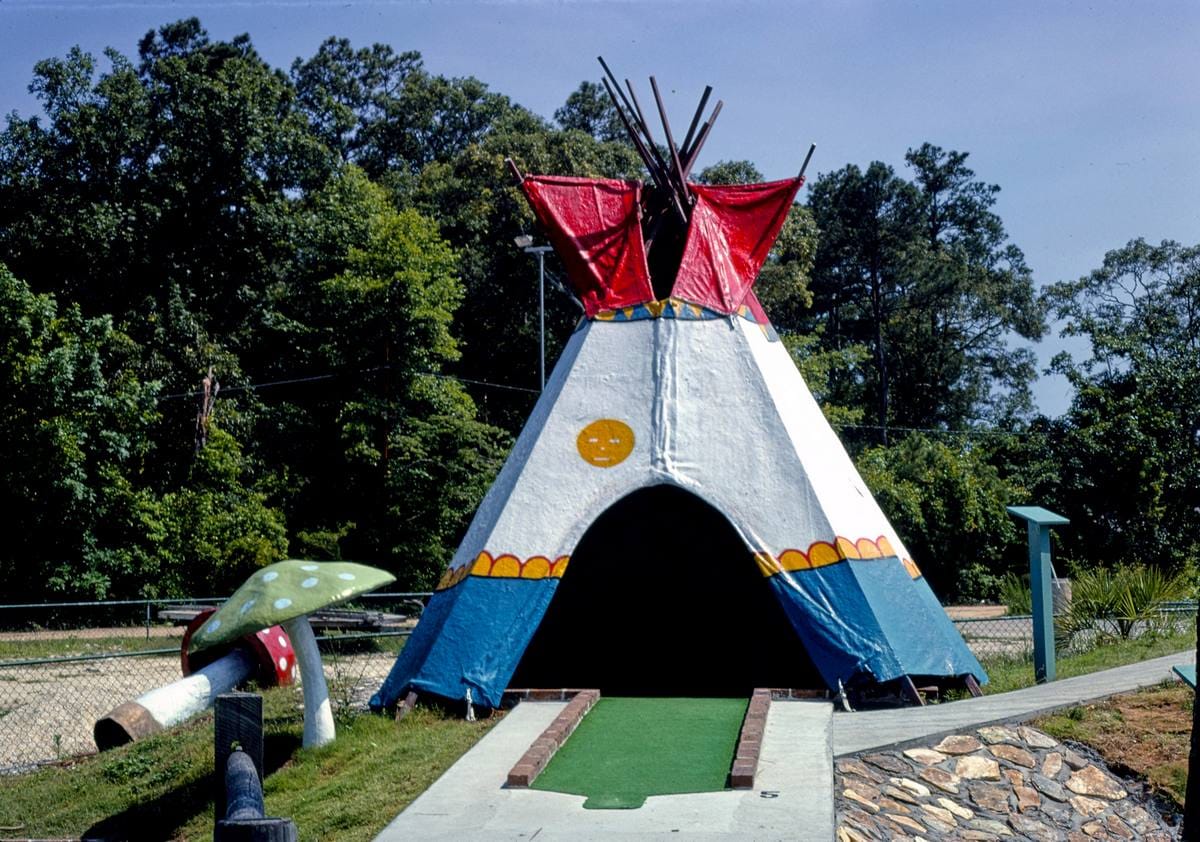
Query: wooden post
239	719
1191	801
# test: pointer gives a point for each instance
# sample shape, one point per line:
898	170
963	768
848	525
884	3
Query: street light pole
525	242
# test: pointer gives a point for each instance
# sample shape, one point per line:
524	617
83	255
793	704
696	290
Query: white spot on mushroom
309	567
346	577
249	604
283	663
282	603
270	576
283	641
293	670
310	582
212	626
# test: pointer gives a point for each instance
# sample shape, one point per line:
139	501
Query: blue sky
1086	115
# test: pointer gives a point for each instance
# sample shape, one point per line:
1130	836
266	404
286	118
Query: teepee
677	468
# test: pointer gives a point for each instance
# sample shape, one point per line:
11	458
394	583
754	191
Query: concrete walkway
865	730
793	799
794	795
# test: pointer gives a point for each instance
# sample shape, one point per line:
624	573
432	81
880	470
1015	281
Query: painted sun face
605	442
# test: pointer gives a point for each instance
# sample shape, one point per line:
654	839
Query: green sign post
1039	521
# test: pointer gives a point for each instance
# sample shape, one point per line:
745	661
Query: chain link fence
1010	637
65	665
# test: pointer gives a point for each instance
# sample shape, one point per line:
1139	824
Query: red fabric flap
733	228
594	227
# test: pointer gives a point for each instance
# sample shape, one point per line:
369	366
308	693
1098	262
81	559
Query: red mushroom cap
271	649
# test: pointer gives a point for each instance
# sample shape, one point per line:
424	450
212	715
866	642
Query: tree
922	274
384	112
948	505
74	420
589	110
1128	449
730	172
399	441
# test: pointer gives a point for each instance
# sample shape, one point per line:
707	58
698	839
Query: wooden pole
811	149
694	152
674	150
1191	801
629	130
683	150
238	721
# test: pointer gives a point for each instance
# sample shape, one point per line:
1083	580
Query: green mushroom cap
282	591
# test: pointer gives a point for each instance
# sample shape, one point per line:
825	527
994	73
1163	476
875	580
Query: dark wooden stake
694	152
514	169
239	721
1191	801
674	150
405	707
910	692
683	149
811	149
972	686
633	134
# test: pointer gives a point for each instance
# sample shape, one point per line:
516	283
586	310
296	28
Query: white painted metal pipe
318	712
173	703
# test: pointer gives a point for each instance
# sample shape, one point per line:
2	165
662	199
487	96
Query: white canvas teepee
693	391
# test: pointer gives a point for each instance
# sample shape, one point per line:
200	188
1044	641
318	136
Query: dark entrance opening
662	598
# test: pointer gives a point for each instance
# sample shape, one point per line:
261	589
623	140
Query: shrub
1124	602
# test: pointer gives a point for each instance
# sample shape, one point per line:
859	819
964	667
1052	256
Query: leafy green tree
74	420
590	110
398	440
731	172
948	505
160	192
1128	449
384	112
219	527
922	274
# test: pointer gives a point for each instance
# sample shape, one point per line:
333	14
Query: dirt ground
47	711
90	634
1147	733
975	612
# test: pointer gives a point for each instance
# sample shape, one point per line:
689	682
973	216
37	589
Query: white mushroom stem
318	713
174	703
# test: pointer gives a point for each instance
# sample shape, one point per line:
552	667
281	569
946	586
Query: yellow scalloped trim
505	566
824	553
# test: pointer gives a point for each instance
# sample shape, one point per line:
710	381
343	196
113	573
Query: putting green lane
626	749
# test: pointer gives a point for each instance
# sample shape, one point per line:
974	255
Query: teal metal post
1039	521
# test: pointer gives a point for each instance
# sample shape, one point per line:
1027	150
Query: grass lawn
626	749
1145	733
1006	674
161	788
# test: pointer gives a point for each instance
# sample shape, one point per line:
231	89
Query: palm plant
1123	602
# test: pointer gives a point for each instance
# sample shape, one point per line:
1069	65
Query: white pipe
318	713
173	703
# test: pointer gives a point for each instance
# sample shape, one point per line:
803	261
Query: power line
972	431
316	378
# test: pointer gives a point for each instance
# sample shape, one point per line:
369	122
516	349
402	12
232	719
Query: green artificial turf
626	749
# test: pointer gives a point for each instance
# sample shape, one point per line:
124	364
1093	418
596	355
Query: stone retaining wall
998	782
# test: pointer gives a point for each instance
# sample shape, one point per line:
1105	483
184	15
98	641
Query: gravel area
47	711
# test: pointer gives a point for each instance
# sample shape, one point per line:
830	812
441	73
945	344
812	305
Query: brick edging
745	762
535	758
